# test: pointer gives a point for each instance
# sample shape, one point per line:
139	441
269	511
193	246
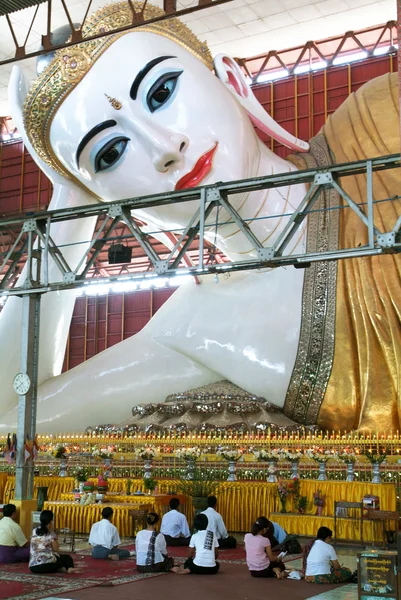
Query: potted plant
301	504
348	456
147	454
285	489
270	456
81	476
149	484
60	453
376	458
321	456
293	458
100	453
199	488
190	455
319	500
231	455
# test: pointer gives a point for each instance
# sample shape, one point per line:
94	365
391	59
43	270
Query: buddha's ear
229	72
65	193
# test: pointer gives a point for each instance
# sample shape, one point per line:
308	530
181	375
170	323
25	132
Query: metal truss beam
35	244
301	59
138	19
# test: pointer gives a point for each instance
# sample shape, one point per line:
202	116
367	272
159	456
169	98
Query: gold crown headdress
70	66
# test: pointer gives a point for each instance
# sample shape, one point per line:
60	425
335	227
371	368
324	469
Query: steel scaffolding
33	240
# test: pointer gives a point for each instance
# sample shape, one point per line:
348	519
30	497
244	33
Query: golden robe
364	389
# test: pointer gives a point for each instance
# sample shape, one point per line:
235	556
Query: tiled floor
345	592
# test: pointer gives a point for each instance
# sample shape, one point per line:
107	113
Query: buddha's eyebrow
143	72
94	131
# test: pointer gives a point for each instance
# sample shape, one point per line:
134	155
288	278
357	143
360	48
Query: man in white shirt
216	525
14	547
105	539
174	526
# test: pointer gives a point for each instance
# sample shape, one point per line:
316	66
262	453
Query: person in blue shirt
276	534
279	533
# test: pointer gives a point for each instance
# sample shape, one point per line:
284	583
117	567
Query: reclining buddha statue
149	111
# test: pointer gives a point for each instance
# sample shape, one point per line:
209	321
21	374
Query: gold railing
285	439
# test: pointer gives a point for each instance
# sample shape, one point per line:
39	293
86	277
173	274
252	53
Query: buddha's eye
162	90
110	153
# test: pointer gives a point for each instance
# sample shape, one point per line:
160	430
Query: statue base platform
217	406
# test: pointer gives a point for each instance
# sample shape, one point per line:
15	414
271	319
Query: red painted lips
202	168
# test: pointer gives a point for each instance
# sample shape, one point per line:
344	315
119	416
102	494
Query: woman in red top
259	556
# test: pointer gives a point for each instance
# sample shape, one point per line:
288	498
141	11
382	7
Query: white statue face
178	126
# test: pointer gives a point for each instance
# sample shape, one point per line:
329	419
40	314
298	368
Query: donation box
378	575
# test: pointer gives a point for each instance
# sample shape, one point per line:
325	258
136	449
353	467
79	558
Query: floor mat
18	583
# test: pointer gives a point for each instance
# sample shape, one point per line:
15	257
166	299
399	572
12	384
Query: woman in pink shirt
259	556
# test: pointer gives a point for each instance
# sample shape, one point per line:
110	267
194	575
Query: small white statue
90	499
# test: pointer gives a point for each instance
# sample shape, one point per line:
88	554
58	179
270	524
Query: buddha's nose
168	153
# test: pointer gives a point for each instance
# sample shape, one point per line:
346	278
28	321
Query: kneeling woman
259	556
203	550
320	561
43	556
151	548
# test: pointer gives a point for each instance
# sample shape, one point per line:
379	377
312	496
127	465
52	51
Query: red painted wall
300	104
102	321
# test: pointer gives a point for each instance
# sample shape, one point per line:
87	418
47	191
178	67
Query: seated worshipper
174	526
322	565
259	556
281	540
151	549
14	547
105	539
278	532
216	524
44	556
203	550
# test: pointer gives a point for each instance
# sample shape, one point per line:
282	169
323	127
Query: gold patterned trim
70	66
315	354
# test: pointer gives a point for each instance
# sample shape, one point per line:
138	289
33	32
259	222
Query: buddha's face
178	126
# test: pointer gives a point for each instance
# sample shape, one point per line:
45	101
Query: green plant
200	486
301	503
149	484
82	474
318	498
376	457
59	451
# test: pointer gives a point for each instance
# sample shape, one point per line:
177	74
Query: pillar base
24	510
